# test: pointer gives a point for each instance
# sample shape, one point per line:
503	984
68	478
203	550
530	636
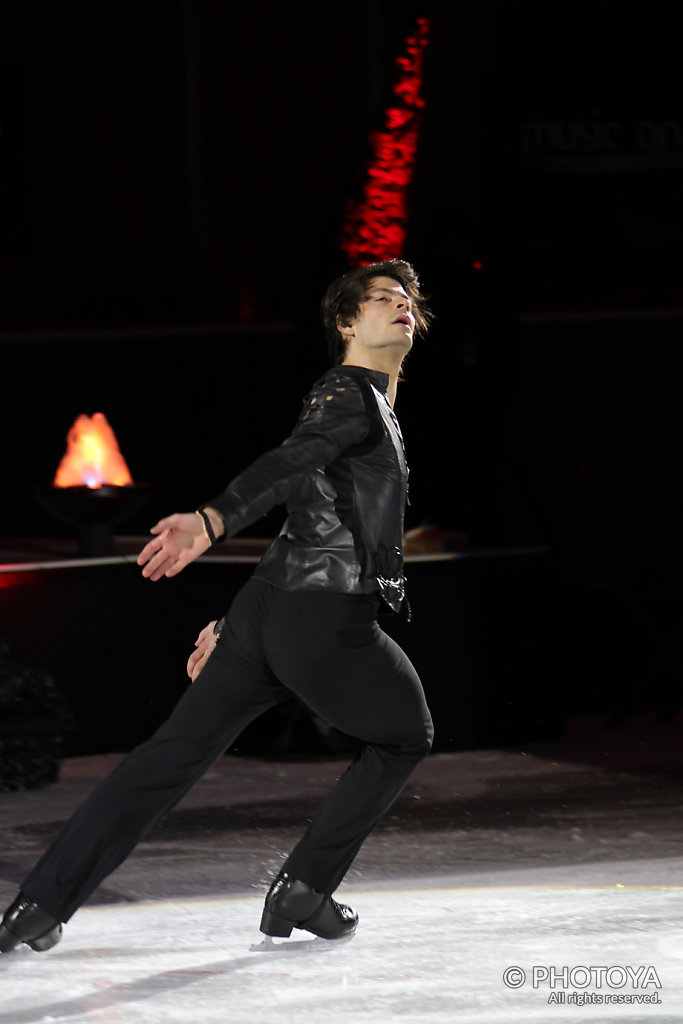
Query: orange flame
92	456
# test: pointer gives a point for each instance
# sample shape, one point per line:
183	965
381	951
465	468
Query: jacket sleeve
333	418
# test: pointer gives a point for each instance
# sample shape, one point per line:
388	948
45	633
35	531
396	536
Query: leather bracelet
206	526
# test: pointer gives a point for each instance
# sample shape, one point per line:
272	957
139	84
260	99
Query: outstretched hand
178	540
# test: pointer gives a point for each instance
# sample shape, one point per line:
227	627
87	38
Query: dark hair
342	300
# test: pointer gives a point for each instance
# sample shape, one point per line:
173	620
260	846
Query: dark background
174	181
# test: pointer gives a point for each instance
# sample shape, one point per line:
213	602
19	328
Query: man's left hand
178	540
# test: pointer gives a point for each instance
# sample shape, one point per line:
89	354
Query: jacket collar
381	380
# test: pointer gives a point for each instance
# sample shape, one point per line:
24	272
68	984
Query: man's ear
346	330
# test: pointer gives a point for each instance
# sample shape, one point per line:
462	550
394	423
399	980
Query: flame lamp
93	489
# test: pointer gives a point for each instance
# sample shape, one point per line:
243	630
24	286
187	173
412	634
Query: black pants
326	648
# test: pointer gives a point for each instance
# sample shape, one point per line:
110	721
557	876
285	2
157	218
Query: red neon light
375	226
10	579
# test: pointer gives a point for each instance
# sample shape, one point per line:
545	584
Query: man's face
385	317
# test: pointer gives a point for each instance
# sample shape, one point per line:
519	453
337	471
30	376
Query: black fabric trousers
326	648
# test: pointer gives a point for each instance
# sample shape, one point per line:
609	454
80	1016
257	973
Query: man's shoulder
337	385
343	402
336	396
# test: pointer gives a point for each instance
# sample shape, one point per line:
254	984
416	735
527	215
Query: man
305	623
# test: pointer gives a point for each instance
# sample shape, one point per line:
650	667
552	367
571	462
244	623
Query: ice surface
420	955
564	856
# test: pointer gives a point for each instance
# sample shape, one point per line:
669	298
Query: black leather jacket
343	475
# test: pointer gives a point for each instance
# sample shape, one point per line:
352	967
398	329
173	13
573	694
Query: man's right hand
205	643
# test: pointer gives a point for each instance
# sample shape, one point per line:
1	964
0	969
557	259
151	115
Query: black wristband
208	528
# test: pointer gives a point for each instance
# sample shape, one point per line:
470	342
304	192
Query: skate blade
289	947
